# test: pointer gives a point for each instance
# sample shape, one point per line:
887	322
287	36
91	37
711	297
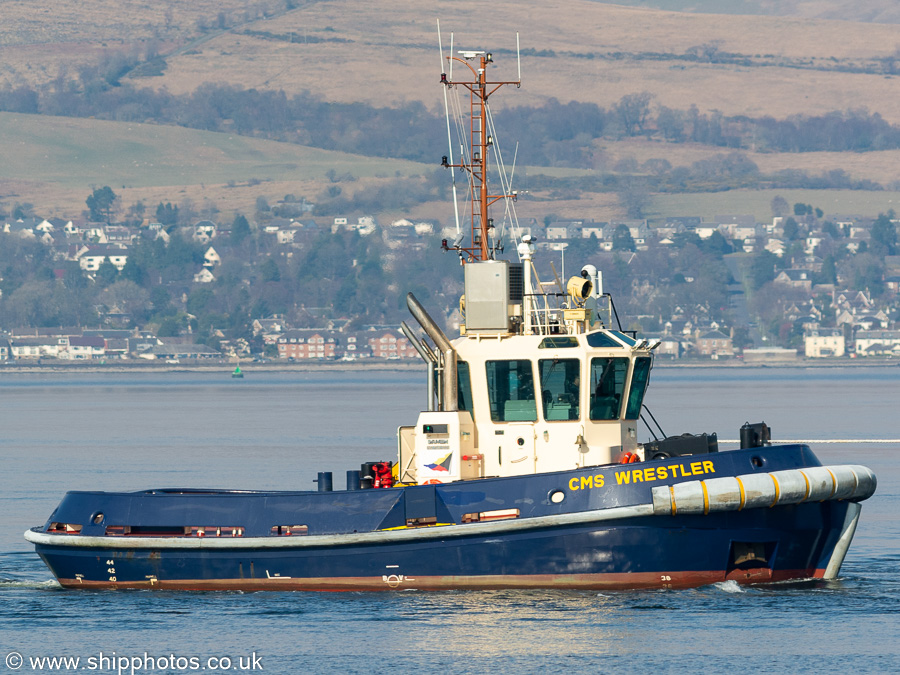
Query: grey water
277	430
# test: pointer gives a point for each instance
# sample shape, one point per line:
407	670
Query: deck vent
516	283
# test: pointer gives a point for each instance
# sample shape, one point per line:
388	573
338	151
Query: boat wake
729	586
48	584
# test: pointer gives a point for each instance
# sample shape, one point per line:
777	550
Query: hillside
572	49
59	160
594	52
38	39
875	11
756	57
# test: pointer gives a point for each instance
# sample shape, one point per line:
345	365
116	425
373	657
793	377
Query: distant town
800	285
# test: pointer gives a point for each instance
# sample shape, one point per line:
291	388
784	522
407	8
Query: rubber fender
821	483
764	490
793	487
846	482
759	490
724	493
688	497
865	482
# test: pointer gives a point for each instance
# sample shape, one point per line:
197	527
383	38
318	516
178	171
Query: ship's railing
544	318
550	320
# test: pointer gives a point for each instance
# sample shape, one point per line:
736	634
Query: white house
84	348
871	342
211	258
96	232
557	231
204	276
204	231
118	259
91	257
775	246
824	342
285	236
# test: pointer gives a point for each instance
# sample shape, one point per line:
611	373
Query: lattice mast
476	163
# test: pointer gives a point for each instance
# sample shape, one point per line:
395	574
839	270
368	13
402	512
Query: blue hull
688	551
421	537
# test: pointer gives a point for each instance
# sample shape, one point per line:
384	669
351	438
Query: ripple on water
847	625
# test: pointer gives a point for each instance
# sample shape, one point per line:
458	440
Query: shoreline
392	366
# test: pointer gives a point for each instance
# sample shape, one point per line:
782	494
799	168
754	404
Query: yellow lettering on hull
649	474
586	482
656	473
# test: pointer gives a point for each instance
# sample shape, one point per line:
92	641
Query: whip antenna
447	80
518	61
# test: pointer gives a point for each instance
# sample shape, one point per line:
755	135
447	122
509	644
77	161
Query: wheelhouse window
464	388
638	387
511	391
560	388
630	341
607	385
601	339
558	342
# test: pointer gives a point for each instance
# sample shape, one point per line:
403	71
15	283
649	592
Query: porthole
557	496
97	518
757	461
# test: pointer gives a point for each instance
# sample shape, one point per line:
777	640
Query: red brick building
307	345
391	344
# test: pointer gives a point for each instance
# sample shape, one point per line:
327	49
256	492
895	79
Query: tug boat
525	470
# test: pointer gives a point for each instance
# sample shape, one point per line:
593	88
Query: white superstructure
528	387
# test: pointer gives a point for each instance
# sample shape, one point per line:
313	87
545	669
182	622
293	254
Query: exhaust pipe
428	357
449	395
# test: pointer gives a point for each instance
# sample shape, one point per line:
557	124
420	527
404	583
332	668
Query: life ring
630	458
433	481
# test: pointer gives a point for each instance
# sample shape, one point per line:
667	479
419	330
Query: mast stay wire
465	151
449	136
509	214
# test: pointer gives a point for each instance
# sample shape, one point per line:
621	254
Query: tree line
560	133
338	274
342	274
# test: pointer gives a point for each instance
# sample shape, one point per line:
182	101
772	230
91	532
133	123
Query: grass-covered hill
756	58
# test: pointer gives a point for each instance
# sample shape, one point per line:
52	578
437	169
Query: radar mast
474	160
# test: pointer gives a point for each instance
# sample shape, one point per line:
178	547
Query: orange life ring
433	481
630	458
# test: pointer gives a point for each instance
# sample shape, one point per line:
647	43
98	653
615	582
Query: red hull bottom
624	581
